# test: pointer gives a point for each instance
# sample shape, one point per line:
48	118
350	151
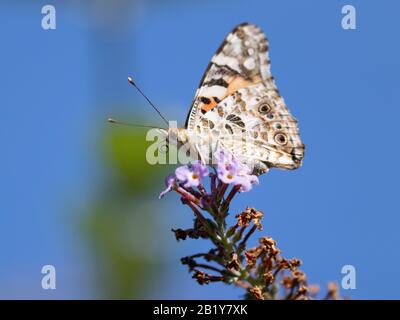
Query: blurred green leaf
125	152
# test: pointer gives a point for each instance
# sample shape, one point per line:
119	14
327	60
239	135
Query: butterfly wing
255	125
238	105
241	61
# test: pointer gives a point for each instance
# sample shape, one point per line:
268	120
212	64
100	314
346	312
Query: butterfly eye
281	139
264	108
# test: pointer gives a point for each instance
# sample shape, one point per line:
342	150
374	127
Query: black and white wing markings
241	61
255	123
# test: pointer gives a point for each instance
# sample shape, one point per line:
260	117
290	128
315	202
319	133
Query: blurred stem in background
122	217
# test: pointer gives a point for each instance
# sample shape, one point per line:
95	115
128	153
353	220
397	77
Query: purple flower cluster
229	170
191	176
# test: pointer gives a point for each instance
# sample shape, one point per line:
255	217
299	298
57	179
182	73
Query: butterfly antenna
130	80
114	121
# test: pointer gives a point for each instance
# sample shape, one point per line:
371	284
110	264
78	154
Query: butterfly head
177	135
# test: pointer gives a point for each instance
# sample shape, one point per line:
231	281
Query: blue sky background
58	86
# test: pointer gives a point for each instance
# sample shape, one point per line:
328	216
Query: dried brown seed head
257	293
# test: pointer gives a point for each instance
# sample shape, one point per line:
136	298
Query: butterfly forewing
241	61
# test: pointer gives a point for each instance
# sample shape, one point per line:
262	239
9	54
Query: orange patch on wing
235	83
209	106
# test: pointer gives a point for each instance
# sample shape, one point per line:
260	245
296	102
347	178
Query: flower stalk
261	270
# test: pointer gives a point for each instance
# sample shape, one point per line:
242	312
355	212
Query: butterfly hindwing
254	124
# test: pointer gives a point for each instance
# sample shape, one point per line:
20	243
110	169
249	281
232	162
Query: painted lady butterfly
238	107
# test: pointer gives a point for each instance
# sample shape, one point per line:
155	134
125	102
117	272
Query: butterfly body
238	107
